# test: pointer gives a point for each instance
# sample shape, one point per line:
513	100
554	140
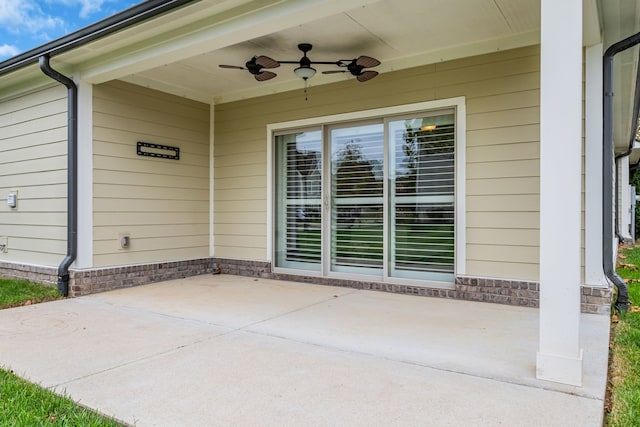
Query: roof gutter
622	300
105	27
72	172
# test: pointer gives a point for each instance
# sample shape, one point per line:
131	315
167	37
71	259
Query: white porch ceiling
400	33
180	52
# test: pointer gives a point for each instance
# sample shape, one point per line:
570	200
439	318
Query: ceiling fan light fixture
305	72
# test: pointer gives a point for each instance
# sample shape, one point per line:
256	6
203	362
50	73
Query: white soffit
180	52
248	21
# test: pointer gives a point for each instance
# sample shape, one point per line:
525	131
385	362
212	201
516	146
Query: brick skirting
85	282
34	273
501	291
594	300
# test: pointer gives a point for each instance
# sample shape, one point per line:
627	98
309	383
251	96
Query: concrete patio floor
228	350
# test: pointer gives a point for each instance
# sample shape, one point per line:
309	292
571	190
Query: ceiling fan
357	66
255	66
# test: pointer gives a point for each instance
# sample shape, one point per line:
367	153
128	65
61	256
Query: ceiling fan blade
264	75
266	62
367	62
233	67
367	75
334	71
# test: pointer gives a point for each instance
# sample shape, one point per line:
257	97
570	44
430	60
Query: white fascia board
27	80
246	22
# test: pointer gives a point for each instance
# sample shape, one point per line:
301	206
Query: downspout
72	175
622	300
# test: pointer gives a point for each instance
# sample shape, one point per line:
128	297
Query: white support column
593	271
212	237
84	257
625	198
559	355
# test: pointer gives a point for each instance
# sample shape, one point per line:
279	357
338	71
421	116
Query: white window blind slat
422	201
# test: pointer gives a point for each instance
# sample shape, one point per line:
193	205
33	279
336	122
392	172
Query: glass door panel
357	203
422	172
298	213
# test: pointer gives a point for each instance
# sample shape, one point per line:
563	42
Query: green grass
365	241
26	404
18	292
623	405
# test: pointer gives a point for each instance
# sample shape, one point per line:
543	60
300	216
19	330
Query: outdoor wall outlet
4	245
12	199
125	240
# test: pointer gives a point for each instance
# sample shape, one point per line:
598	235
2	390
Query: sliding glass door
421	204
298	215
357	203
374	198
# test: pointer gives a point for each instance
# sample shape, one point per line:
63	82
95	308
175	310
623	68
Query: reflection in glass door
357	203
298	215
422	172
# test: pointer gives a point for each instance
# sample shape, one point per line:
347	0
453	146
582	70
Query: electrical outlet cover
124	241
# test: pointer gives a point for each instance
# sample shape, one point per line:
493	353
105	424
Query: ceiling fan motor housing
252	66
305	47
354	68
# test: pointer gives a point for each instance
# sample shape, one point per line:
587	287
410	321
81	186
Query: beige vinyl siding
162	204
33	161
502	171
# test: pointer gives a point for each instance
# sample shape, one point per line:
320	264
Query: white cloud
87	7
7	51
26	17
37	21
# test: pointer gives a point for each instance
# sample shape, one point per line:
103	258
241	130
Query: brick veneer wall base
34	273
501	291
596	300
83	282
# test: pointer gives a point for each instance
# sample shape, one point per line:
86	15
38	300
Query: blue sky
25	24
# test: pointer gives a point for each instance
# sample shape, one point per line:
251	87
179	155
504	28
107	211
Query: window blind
422	202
